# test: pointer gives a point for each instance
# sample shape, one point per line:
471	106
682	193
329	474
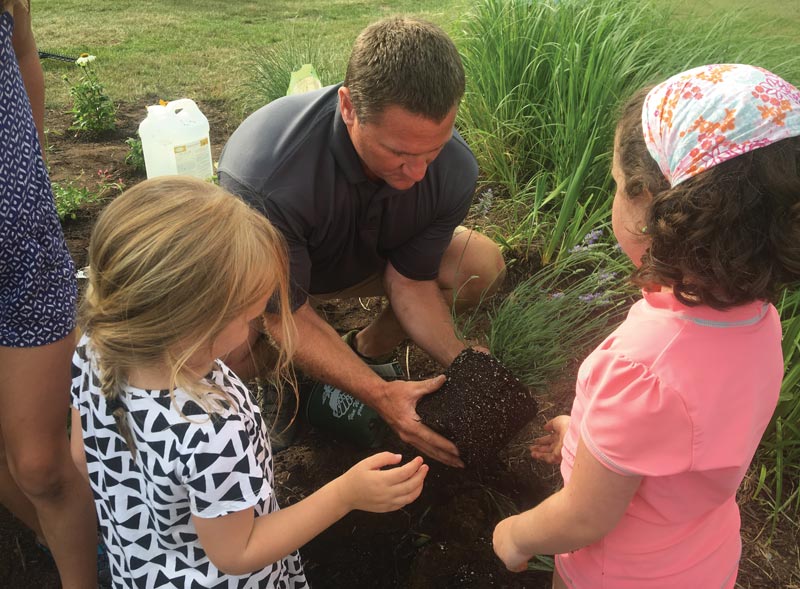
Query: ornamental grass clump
561	312
544	82
272	67
778	458
93	112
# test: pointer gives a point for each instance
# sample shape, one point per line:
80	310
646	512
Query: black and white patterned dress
204	465
37	276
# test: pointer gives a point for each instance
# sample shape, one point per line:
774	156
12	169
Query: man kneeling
368	182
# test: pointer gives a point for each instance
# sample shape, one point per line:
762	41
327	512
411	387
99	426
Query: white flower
84	59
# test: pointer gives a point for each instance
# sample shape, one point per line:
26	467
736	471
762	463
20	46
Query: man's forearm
424	315
323	355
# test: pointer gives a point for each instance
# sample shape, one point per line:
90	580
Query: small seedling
135	156
70	197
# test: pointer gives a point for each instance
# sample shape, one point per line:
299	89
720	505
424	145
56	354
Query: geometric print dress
195	463
37	276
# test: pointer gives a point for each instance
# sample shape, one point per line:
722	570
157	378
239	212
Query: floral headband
710	114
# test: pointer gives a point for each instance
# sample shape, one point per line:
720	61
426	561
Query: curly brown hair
725	237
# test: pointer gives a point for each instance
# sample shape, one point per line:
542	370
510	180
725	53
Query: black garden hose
47	55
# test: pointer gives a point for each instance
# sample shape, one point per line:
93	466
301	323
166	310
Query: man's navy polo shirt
293	160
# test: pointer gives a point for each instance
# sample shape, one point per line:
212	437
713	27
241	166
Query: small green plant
135	156
70	197
106	183
93	112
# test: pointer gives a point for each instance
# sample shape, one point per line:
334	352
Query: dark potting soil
480	408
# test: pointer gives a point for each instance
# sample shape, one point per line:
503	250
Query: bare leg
34	401
14	499
472	269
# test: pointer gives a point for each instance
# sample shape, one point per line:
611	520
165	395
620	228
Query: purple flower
593	237
485	200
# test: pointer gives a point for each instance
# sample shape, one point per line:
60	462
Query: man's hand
397	405
323	355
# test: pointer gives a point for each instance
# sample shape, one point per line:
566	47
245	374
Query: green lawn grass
767	17
203	49
199	48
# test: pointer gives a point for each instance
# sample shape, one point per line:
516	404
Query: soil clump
480	408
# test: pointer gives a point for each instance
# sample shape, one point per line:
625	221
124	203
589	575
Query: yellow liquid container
175	140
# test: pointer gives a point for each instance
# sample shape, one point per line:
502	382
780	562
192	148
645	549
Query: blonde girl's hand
548	448
506	549
369	486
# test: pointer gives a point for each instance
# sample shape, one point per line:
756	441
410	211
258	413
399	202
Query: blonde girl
670	408
173	444
38	482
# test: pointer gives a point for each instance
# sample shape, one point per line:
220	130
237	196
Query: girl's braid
110	385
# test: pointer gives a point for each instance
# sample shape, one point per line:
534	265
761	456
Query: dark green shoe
385	366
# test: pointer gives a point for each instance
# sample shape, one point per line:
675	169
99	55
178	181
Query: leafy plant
70	197
93	112
135	156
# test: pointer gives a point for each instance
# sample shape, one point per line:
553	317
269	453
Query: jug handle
181	104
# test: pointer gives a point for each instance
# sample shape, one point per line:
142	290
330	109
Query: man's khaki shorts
372	286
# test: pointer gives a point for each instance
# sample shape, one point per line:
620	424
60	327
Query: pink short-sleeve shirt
680	396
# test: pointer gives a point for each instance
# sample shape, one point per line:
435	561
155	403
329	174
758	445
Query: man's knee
474	267
491	268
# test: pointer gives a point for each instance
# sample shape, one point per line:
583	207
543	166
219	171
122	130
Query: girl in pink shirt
670	408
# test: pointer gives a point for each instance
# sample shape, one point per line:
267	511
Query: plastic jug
303	80
175	140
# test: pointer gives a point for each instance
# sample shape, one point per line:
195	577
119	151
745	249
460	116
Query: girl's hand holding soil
369	488
548	448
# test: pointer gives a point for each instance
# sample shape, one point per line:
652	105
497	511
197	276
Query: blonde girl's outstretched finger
379	460
412	486
403	473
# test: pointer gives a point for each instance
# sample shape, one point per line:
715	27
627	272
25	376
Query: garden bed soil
443	539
